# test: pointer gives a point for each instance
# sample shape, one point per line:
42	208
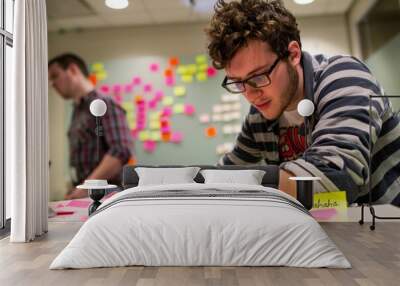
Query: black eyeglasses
255	81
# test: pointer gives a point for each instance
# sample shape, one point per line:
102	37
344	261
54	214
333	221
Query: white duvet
201	231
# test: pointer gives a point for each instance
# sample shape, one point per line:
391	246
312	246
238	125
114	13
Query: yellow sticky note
191	69
101	75
155	136
201	76
144	135
128	106
155	124
181	69
168	100
187	78
132	124
179	90
336	200
178	108
201	59
202	67
97	66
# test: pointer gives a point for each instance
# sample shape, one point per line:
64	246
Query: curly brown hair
235	23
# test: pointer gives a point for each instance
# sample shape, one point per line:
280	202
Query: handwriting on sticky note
79	203
330	200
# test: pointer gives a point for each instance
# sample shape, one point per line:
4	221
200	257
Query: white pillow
163	176
248	177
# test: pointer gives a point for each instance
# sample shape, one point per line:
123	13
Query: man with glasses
257	43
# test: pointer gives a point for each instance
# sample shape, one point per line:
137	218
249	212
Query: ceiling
80	14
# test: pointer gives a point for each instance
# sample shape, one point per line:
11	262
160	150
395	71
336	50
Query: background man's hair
236	22
64	60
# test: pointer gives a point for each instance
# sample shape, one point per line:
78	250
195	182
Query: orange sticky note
211	131
166	136
173	61
168	73
93	79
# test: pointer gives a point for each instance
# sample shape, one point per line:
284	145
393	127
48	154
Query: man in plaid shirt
68	74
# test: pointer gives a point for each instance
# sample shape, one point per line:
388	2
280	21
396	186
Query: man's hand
76	194
286	185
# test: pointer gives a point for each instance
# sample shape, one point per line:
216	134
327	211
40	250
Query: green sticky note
202	67
201	76
178	108
144	135
155	124
168	100
187	78
335	200
155	136
201	59
179	90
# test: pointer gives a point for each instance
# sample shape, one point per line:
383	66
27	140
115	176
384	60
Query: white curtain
27	157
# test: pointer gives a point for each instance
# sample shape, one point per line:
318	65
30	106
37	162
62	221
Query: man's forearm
286	185
108	168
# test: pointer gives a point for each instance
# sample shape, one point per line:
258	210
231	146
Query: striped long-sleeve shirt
340	88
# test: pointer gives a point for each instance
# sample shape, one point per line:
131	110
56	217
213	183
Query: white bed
222	225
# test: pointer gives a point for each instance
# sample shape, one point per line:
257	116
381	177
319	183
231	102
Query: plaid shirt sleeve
116	132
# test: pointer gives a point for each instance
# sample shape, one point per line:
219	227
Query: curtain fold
27	140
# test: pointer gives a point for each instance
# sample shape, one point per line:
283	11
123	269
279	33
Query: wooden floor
374	255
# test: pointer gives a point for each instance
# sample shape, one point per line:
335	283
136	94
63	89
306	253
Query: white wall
319	35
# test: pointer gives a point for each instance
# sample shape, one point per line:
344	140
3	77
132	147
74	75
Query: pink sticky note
159	95
136	80
83	218
165	129
128	88
166	111
79	203
154	67
152	104
211	71
189	109
170	81
176	137
117	88
118	98
105	88
134	133
149	146
148	87
323	213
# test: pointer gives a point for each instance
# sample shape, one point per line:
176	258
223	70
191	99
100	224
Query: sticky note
211	132
170	81
211	72
191	69
152	104
168	73
189	109
79	203
178	108
330	200
166	136
217	108
201	76
132	124
323	213
117	88
165	129
202	68
176	137
158	95
128	106
216	117
181	70
155	135
154	116
97	66
144	135
227	129
173	61
118	98
187	78
101	75
149	146
168	100
128	88
167	111
105	88
134	133
204	118
148	87
154	67
179	90
93	79
164	122
155	124
201	59
136	80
